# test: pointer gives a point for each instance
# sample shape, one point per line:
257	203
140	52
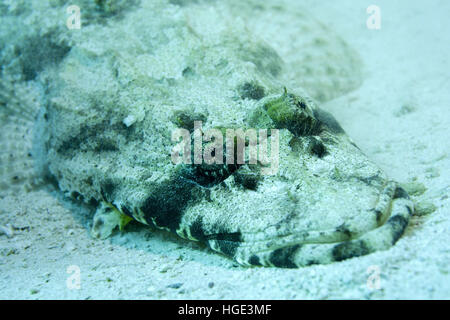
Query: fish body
104	136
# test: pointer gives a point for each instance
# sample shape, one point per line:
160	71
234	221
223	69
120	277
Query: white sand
399	117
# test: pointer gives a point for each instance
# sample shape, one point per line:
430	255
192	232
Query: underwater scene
225	150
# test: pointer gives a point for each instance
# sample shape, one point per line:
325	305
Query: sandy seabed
399	117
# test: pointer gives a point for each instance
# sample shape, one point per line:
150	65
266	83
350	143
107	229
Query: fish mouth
304	248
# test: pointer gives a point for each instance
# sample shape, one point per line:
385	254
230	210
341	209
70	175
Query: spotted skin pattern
326	201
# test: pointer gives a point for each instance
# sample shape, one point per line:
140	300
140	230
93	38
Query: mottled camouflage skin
327	202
